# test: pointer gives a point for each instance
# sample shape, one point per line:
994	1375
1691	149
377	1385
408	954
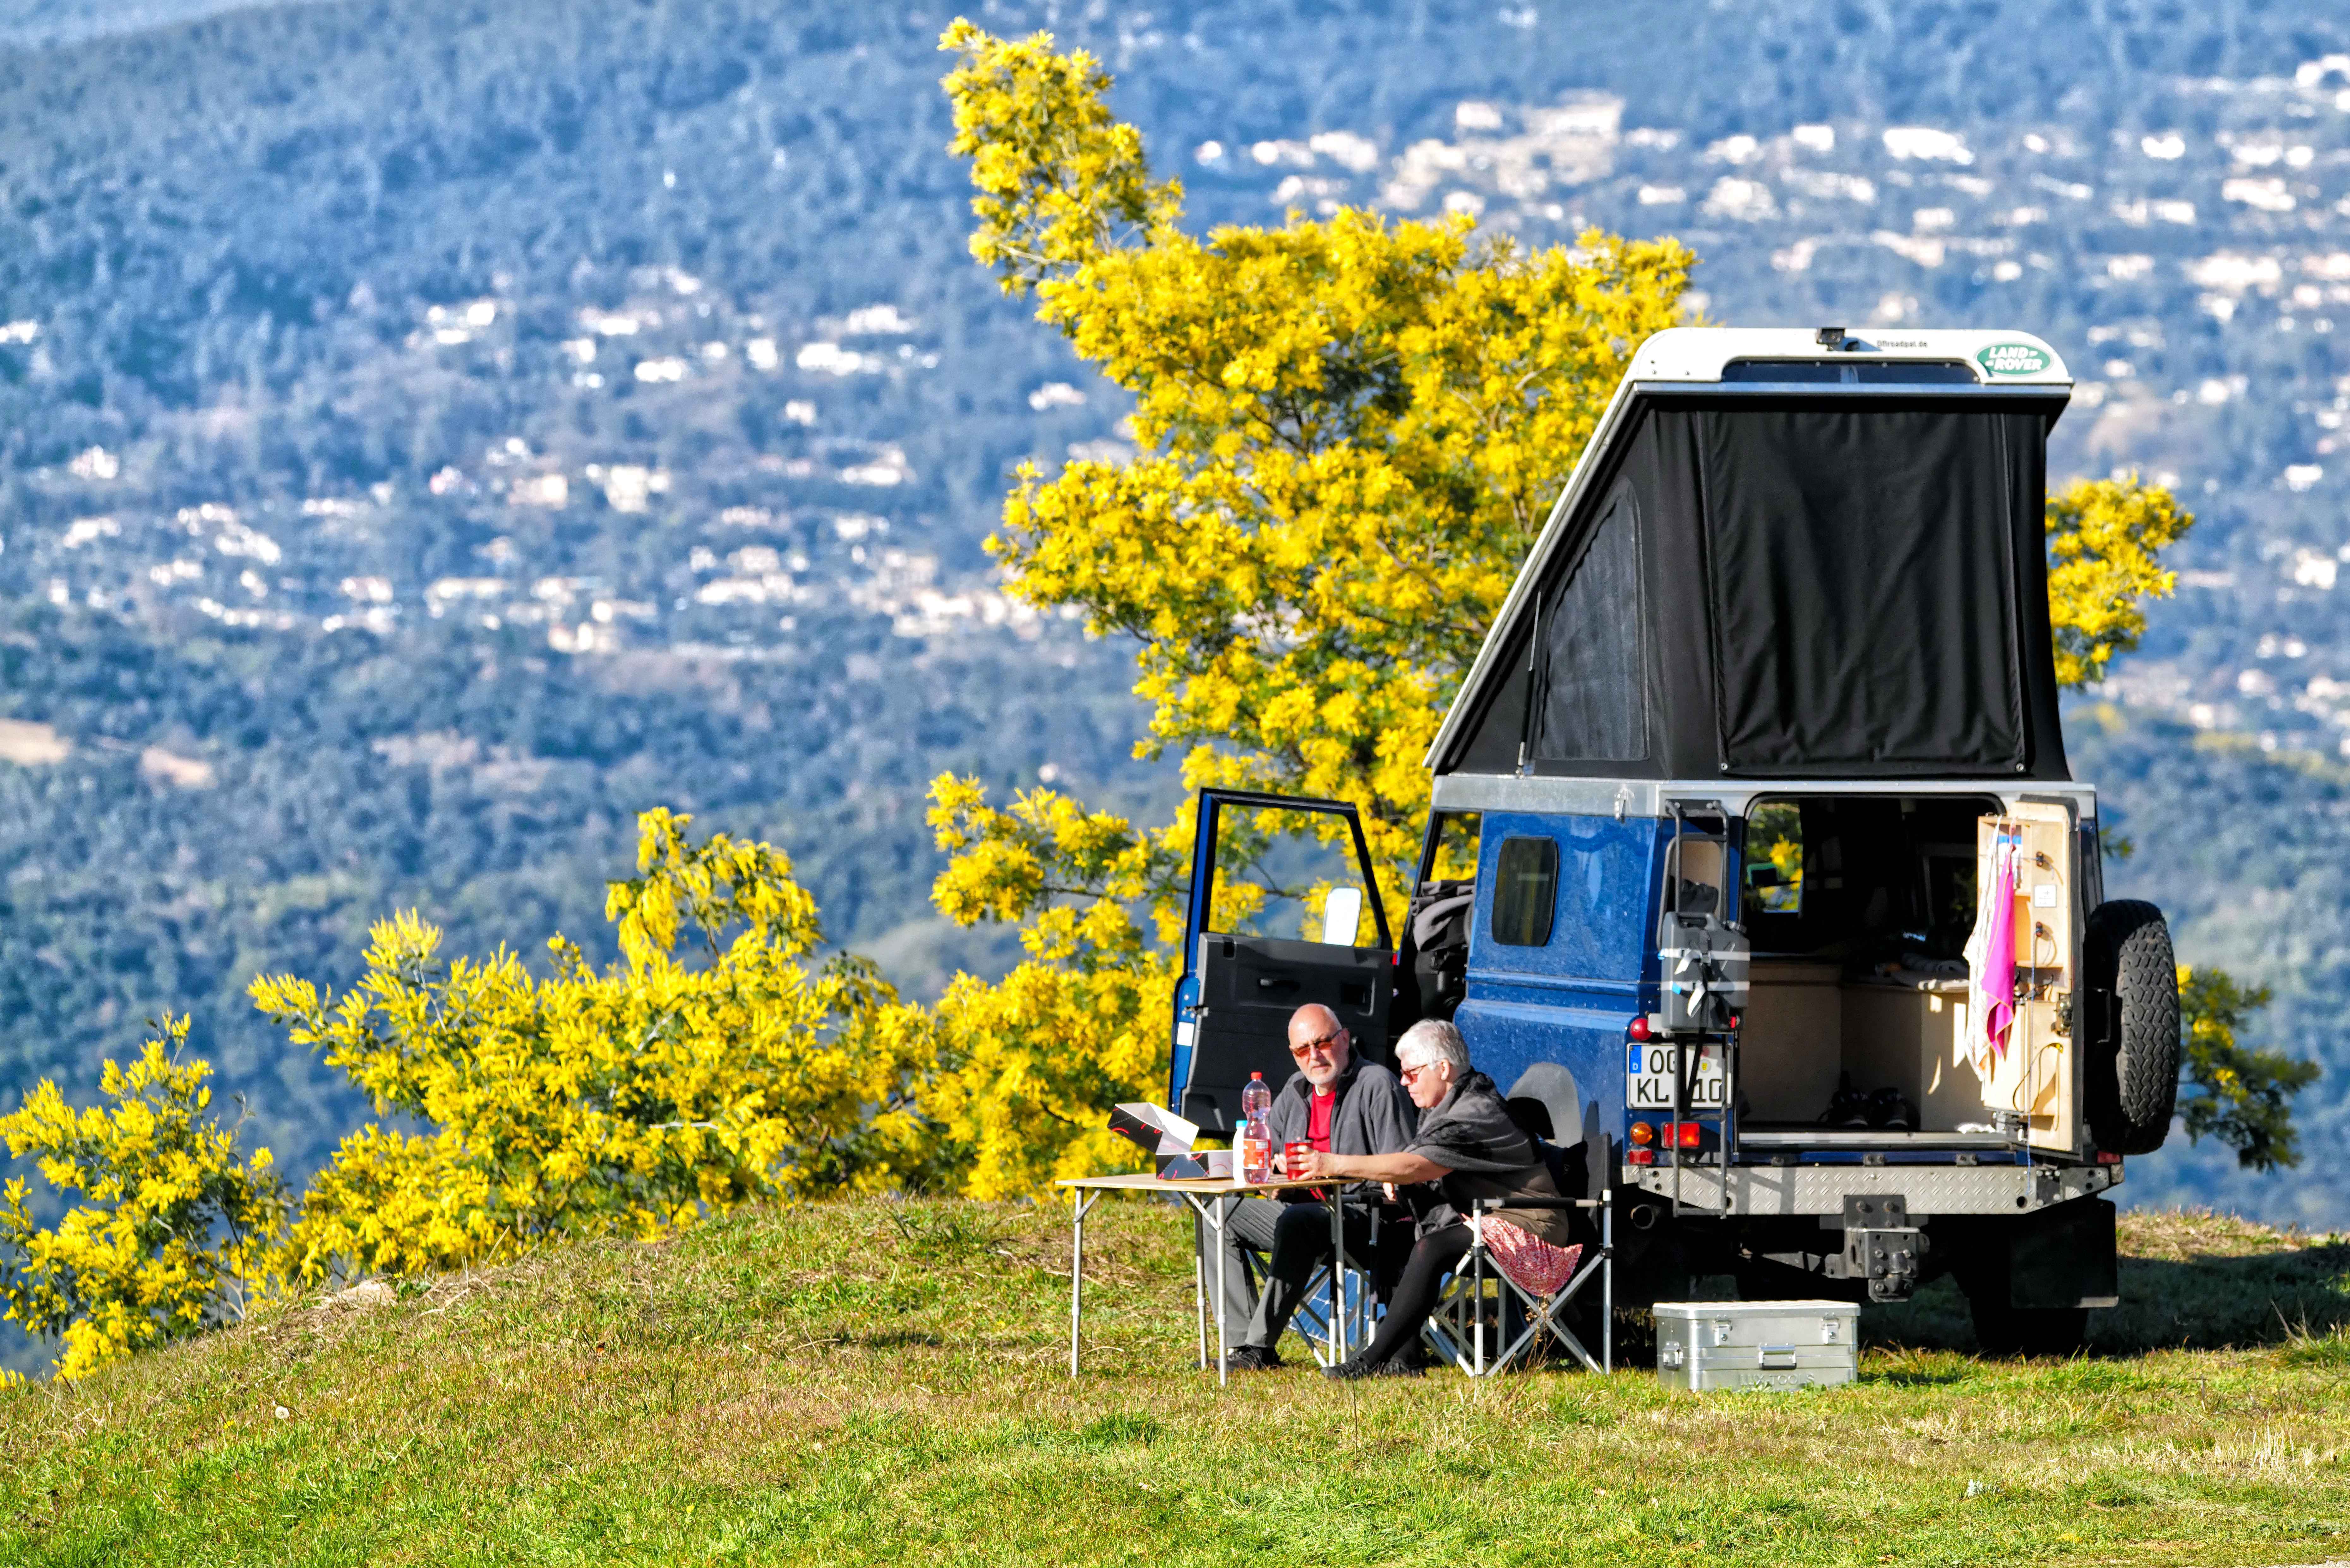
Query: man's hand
1309	1165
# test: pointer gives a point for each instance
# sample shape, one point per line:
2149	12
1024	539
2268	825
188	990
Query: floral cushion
1531	1264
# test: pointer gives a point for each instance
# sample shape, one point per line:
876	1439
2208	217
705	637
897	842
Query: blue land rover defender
1769	714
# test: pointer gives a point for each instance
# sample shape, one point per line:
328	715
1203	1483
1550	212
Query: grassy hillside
883	1381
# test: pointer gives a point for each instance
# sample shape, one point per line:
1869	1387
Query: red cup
1293	1156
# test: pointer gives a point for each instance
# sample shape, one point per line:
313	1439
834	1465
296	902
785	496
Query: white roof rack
1702	353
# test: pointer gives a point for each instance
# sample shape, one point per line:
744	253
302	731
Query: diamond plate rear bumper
1929	1188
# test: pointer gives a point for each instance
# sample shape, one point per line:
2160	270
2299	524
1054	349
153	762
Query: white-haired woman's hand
1307	1164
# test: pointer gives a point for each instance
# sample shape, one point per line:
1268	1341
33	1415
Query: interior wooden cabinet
2034	1077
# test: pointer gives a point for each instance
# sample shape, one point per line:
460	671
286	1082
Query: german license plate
1655	1066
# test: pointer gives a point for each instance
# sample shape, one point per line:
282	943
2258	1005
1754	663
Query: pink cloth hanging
1996	980
1537	1267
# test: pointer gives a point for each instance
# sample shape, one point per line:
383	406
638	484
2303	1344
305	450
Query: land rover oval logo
2012	359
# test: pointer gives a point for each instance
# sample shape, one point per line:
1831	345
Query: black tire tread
2133	1095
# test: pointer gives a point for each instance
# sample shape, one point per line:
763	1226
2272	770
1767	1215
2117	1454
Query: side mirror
1342	916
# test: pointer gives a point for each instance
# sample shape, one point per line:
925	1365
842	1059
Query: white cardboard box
1757	1345
1170	1142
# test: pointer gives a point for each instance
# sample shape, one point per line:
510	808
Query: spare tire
2129	1027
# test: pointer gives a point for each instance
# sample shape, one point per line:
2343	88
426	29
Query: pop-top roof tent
1788	553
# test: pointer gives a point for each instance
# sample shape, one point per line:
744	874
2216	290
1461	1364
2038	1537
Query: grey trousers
1295	1237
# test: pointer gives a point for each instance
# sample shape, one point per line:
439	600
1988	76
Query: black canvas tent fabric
1823	589
1589	666
1859	566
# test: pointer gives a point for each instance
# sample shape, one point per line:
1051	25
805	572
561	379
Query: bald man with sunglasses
1340	1104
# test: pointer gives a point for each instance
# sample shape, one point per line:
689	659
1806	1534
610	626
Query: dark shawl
1470	1133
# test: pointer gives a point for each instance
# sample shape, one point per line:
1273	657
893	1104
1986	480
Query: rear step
1871	1137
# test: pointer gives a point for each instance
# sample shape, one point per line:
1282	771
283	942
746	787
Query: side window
1696	864
1696	868
1525	892
1774	861
1289	875
1455	856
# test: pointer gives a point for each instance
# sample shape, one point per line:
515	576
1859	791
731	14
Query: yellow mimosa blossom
176	1234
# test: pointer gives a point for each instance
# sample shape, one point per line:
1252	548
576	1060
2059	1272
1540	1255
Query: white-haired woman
1470	1147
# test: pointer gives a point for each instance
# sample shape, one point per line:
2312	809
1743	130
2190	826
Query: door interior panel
1249	987
1282	896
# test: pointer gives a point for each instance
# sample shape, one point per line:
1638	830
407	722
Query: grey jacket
1374	1115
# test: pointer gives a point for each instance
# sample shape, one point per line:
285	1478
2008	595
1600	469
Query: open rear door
1284	911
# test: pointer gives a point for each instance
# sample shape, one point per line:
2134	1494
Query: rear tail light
1643	1134
1638	1028
1640	1156
1683	1135
2107	1157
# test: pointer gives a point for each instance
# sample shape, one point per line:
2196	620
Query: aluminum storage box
1757	1345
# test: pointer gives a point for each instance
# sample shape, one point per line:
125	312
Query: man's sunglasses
1326	1043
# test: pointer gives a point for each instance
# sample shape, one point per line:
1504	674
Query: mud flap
2063	1257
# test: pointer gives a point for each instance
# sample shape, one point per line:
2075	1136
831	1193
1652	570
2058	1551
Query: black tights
1416	1295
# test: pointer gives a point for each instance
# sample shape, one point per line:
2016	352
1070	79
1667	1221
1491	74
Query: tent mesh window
1862	574
1592	707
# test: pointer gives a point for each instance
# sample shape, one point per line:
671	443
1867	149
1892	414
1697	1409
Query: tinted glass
1774	861
1855	372
1782	370
1594	708
1275	871
1525	892
1949	373
1456	847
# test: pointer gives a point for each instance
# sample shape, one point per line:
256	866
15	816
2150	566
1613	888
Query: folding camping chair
1533	1284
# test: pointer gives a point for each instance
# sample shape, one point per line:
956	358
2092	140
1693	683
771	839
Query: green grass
885	1382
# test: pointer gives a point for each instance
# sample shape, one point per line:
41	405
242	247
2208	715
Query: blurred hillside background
431	432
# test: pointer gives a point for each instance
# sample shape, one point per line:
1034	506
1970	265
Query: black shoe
1889	1110
1253	1358
1848	1109
1416	1357
1358	1365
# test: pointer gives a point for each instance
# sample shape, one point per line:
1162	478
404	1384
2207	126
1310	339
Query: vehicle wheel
2130	1027
2003	1330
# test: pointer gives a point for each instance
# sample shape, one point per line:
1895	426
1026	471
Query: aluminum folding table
1212	1201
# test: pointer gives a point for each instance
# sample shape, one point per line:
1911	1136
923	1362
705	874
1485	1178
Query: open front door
1284	911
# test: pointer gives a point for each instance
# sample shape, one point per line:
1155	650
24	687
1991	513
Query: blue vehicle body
1565	1004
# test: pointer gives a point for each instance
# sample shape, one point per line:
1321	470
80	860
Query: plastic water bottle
1256	1129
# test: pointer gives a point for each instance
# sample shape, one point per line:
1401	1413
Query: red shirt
1321	1109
